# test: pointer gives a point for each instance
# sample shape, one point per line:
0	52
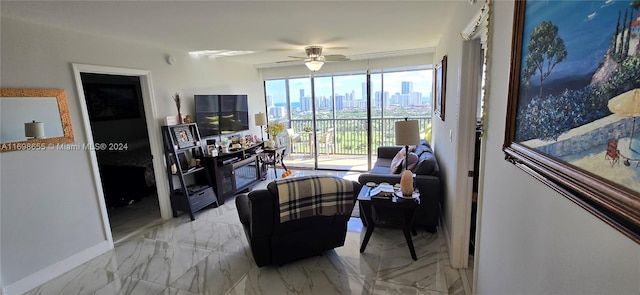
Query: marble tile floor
211	256
129	220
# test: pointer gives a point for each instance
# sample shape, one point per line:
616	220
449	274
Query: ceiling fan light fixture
314	65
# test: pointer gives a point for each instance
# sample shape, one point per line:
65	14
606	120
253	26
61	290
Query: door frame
155	141
475	41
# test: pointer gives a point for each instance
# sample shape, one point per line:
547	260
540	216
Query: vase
270	144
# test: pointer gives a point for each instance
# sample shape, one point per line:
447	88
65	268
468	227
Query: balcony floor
331	162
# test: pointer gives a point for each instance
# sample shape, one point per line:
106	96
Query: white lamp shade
407	132
261	119
34	129
314	65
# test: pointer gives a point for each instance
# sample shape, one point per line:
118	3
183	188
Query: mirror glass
16	111
19	107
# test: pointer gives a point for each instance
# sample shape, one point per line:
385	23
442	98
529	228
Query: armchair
311	219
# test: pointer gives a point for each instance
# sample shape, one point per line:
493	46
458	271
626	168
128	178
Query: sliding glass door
328	117
342	122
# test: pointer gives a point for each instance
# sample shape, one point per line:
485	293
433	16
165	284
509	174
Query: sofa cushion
383	162
422	148
379	170
426	164
397	164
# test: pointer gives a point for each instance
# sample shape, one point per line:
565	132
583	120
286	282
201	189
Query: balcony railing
350	135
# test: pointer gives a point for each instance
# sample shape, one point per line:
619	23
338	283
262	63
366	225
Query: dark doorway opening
121	142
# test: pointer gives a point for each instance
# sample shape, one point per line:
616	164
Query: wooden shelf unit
190	186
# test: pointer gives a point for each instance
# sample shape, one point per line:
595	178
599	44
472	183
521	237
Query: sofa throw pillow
397	164
426	164
423	147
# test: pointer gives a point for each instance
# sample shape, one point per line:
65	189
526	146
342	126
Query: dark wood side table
407	207
273	157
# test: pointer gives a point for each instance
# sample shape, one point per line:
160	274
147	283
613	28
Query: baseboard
52	271
445	232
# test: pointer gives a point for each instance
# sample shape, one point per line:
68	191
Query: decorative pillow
397	161
426	165
412	160
397	164
422	149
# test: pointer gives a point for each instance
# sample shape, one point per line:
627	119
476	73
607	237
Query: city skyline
394	83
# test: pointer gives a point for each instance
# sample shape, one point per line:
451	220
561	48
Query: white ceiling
273	29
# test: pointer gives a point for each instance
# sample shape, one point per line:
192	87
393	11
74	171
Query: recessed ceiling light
212	54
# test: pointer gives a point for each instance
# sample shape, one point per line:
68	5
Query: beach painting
576	58
573	112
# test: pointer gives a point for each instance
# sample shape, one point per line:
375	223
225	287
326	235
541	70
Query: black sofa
427	180
276	243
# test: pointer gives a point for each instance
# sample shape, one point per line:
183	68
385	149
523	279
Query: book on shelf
382	191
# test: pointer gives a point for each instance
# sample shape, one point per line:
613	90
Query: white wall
533	240
299	70
49	205
446	141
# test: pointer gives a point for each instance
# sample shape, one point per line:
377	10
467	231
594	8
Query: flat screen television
221	114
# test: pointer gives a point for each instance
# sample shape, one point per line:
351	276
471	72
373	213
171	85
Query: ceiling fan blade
337	48
336	57
290	60
300	57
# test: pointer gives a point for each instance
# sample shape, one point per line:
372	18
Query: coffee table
406	207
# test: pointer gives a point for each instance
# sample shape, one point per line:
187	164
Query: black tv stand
235	171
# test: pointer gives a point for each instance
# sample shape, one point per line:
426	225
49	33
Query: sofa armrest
428	185
388	152
378	178
261	212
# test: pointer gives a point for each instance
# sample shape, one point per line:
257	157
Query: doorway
117	110
118	125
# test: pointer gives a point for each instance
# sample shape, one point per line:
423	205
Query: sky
586	27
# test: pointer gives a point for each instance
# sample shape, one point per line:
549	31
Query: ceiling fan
314	59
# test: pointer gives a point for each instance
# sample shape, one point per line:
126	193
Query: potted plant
273	130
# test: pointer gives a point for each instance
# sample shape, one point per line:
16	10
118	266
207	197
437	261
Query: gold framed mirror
40	113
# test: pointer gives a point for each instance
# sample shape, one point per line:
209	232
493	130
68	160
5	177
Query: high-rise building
340	99
416	98
377	102
364	90
301	93
407	87
277	112
269	101
305	103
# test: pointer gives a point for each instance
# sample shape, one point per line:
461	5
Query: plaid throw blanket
314	195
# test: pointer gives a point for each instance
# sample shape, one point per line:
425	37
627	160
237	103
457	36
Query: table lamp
34	130
261	120
407	133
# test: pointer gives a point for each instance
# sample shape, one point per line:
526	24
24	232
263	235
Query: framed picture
112	102
440	88
573	102
183	136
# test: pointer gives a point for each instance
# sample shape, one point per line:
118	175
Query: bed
127	174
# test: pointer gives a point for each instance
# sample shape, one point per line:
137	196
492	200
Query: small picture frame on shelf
184	137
